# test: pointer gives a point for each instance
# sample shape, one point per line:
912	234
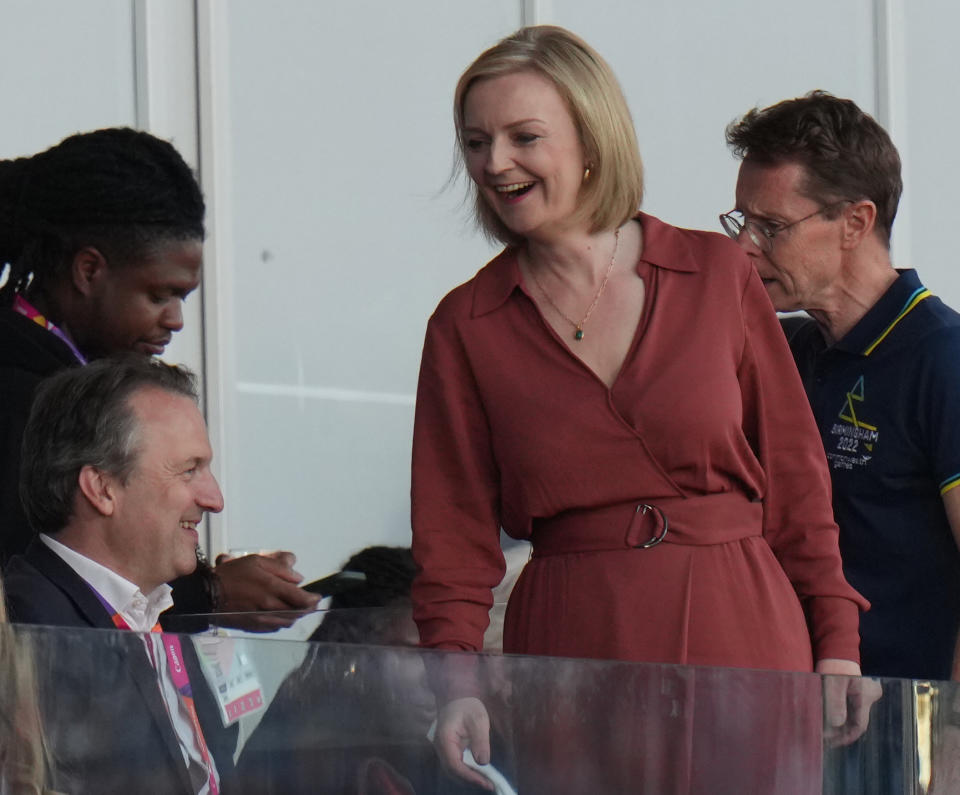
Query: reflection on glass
348	717
23	752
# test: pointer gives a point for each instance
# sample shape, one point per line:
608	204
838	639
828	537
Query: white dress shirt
141	612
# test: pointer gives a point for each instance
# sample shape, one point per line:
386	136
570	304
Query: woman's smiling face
522	149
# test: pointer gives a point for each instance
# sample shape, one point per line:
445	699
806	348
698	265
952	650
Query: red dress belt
693	521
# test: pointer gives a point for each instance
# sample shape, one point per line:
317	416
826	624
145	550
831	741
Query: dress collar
663	247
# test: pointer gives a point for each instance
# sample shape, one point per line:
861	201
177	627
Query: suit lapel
55	569
130	646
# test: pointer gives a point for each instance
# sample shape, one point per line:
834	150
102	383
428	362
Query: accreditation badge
231	673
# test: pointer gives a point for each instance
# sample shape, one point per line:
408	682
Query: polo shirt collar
894	304
663	247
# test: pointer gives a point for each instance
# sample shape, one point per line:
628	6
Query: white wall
335	149
64	67
689	68
931	153
325	146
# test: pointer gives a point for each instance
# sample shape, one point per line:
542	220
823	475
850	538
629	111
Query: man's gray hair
82	417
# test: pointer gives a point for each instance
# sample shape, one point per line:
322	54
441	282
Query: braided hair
389	571
119	190
364	614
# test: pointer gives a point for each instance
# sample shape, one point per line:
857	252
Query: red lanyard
181	680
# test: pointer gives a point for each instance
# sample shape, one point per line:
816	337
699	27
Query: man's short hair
845	153
82	417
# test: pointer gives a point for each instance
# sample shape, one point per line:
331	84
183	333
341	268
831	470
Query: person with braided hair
351	718
101	241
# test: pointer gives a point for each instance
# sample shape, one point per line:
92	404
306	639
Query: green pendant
578	334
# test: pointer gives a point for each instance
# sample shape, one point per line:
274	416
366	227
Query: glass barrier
87	711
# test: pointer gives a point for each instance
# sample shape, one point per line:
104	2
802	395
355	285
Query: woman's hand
847	698
464	723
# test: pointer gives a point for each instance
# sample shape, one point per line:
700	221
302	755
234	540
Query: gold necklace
578	327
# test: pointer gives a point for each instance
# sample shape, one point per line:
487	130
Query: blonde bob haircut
614	190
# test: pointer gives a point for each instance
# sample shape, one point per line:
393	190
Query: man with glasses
880	359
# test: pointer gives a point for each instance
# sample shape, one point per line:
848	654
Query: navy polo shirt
887	400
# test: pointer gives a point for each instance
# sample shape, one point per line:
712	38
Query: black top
28	354
887	401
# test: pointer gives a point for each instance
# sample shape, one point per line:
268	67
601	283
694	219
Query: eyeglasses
763	234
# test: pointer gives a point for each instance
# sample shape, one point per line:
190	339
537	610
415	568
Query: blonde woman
618	391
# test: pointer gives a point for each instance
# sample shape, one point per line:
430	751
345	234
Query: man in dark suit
115	479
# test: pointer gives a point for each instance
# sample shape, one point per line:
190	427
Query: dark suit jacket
105	719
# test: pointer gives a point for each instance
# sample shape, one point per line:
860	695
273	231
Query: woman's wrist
834	666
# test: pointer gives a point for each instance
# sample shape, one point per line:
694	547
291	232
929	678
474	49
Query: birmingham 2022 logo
856	439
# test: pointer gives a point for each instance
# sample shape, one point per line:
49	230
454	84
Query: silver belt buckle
642	509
